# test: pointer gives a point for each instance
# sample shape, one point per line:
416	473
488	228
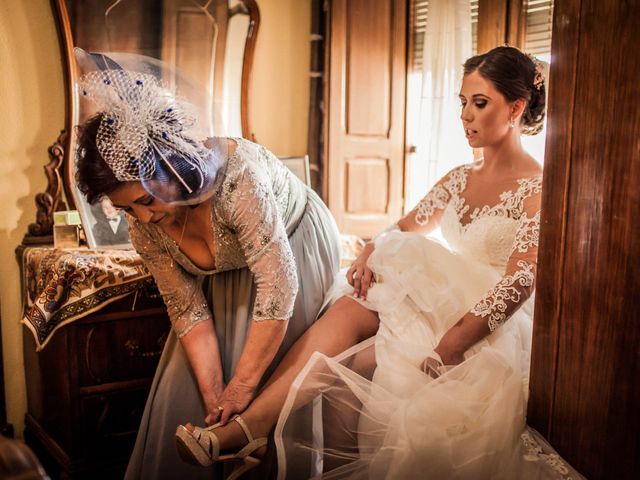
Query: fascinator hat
148	132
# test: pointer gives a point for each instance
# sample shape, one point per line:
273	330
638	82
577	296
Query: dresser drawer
111	420
122	349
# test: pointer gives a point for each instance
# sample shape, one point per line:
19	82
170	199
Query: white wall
279	93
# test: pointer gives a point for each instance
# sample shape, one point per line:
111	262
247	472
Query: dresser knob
133	347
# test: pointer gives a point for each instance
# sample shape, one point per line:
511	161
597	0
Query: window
539	15
537	42
419	16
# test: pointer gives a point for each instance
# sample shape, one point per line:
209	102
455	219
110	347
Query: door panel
367	70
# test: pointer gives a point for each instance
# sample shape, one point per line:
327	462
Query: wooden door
365	145
585	365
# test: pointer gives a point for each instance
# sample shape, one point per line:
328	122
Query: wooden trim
516	23
34	431
317	78
326	92
411	23
555	200
492	24
247	66
114	386
70	72
49	201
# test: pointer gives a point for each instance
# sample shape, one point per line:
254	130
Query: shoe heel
189	449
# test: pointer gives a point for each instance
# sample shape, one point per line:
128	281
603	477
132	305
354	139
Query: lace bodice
504	236
486	233
253	195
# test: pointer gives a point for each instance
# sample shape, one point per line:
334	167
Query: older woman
241	250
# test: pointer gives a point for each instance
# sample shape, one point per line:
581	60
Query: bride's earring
511	123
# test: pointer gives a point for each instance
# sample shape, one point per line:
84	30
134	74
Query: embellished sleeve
181	291
426	215
517	284
253	215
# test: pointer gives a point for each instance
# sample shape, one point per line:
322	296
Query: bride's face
485	112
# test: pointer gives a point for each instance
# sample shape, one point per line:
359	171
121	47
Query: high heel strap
244	427
253	444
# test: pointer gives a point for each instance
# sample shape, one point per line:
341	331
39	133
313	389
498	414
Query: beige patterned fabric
63	285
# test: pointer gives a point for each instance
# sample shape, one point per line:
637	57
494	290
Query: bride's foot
201	446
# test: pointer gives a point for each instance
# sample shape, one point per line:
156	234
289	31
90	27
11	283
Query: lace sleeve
517	284
426	215
182	292
253	215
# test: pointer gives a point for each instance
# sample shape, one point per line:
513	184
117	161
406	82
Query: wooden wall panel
367	181
365	117
368	74
586	355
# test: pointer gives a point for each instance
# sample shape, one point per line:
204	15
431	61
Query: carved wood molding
51	200
249	52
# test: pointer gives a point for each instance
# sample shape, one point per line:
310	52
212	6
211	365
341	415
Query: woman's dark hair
515	75
93	176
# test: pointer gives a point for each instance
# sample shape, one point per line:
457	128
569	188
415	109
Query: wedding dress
376	413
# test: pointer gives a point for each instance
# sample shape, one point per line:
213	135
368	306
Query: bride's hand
359	275
436	363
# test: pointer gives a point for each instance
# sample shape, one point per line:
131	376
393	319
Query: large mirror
211	42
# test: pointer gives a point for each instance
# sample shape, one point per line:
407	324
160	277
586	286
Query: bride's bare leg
341	410
345	324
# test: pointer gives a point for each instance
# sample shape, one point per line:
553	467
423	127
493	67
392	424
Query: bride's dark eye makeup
479	103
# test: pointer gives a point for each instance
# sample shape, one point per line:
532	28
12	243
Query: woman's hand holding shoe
234	400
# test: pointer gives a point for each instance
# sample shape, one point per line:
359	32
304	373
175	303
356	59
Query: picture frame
300	167
104	226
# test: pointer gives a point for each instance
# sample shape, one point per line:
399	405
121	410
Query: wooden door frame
500	22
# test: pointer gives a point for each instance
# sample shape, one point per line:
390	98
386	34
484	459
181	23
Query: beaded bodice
254	202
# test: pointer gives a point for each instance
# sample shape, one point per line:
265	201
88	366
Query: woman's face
485	112
136	201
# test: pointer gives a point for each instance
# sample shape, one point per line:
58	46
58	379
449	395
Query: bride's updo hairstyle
515	75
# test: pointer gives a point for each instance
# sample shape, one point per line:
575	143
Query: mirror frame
59	194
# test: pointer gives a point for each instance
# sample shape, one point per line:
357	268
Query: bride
419	369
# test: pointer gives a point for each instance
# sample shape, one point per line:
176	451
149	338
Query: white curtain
436	130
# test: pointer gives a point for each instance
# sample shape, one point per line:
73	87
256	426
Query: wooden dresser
87	388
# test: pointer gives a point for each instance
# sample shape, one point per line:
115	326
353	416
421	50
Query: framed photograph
104	225
300	167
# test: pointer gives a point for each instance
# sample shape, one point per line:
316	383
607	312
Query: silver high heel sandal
202	447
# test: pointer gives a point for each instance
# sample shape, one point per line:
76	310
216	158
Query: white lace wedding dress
376	413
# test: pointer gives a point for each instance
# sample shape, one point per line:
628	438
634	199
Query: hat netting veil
148	131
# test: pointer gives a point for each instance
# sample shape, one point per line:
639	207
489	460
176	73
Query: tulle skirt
377	415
